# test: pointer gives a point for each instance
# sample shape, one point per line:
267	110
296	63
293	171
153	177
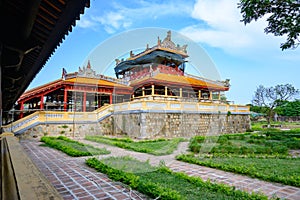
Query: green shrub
71	147
162	183
155	147
265	142
146	187
223	140
282	170
195	143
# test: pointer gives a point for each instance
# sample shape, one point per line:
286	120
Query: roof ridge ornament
87	71
169	44
88	65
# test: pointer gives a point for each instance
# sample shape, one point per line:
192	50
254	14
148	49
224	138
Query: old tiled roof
30	33
72	81
183	81
99	82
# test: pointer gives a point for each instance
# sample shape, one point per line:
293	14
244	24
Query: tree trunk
269	118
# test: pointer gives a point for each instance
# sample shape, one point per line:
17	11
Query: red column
110	98
99	100
84	102
21	108
65	99
42	102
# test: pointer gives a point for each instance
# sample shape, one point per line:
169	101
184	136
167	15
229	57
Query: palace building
151	89
81	91
156	73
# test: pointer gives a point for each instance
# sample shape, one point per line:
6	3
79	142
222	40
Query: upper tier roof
164	50
184	81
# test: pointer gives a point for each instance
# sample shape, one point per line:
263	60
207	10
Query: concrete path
59	169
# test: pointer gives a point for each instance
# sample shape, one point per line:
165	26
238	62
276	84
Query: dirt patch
295	153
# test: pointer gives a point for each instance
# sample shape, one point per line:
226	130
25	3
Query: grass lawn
257	125
160	181
263	155
155	147
286	171
269	142
71	147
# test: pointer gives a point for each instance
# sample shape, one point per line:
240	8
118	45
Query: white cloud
217	38
220	26
85	23
122	17
113	21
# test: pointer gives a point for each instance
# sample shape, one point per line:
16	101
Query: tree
270	97
289	108
283	18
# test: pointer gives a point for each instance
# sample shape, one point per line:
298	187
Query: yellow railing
181	106
44	117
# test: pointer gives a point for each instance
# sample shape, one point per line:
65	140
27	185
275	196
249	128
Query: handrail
146	104
157	105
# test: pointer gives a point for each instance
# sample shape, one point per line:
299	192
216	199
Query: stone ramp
72	179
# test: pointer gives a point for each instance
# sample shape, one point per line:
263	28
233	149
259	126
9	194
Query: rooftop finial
168	36
88	65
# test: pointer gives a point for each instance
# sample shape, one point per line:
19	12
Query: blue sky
244	54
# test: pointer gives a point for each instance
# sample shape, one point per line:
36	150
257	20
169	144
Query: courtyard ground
74	180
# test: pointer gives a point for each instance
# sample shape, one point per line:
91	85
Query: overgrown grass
262	155
273	142
163	183
155	147
71	147
257	125
286	171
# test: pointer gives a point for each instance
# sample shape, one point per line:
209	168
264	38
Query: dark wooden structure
30	33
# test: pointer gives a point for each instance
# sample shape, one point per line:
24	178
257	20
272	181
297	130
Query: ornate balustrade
205	107
145	105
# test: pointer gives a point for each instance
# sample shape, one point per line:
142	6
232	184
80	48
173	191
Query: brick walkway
72	179
59	168
238	181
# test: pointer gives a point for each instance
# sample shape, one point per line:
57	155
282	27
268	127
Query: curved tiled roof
99	82
72	81
31	32
181	80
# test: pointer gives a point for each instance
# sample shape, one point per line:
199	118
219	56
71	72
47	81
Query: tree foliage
258	109
288	108
271	97
283	18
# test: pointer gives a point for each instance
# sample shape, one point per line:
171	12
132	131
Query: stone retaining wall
155	125
149	125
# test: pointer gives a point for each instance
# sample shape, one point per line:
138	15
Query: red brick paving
72	179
